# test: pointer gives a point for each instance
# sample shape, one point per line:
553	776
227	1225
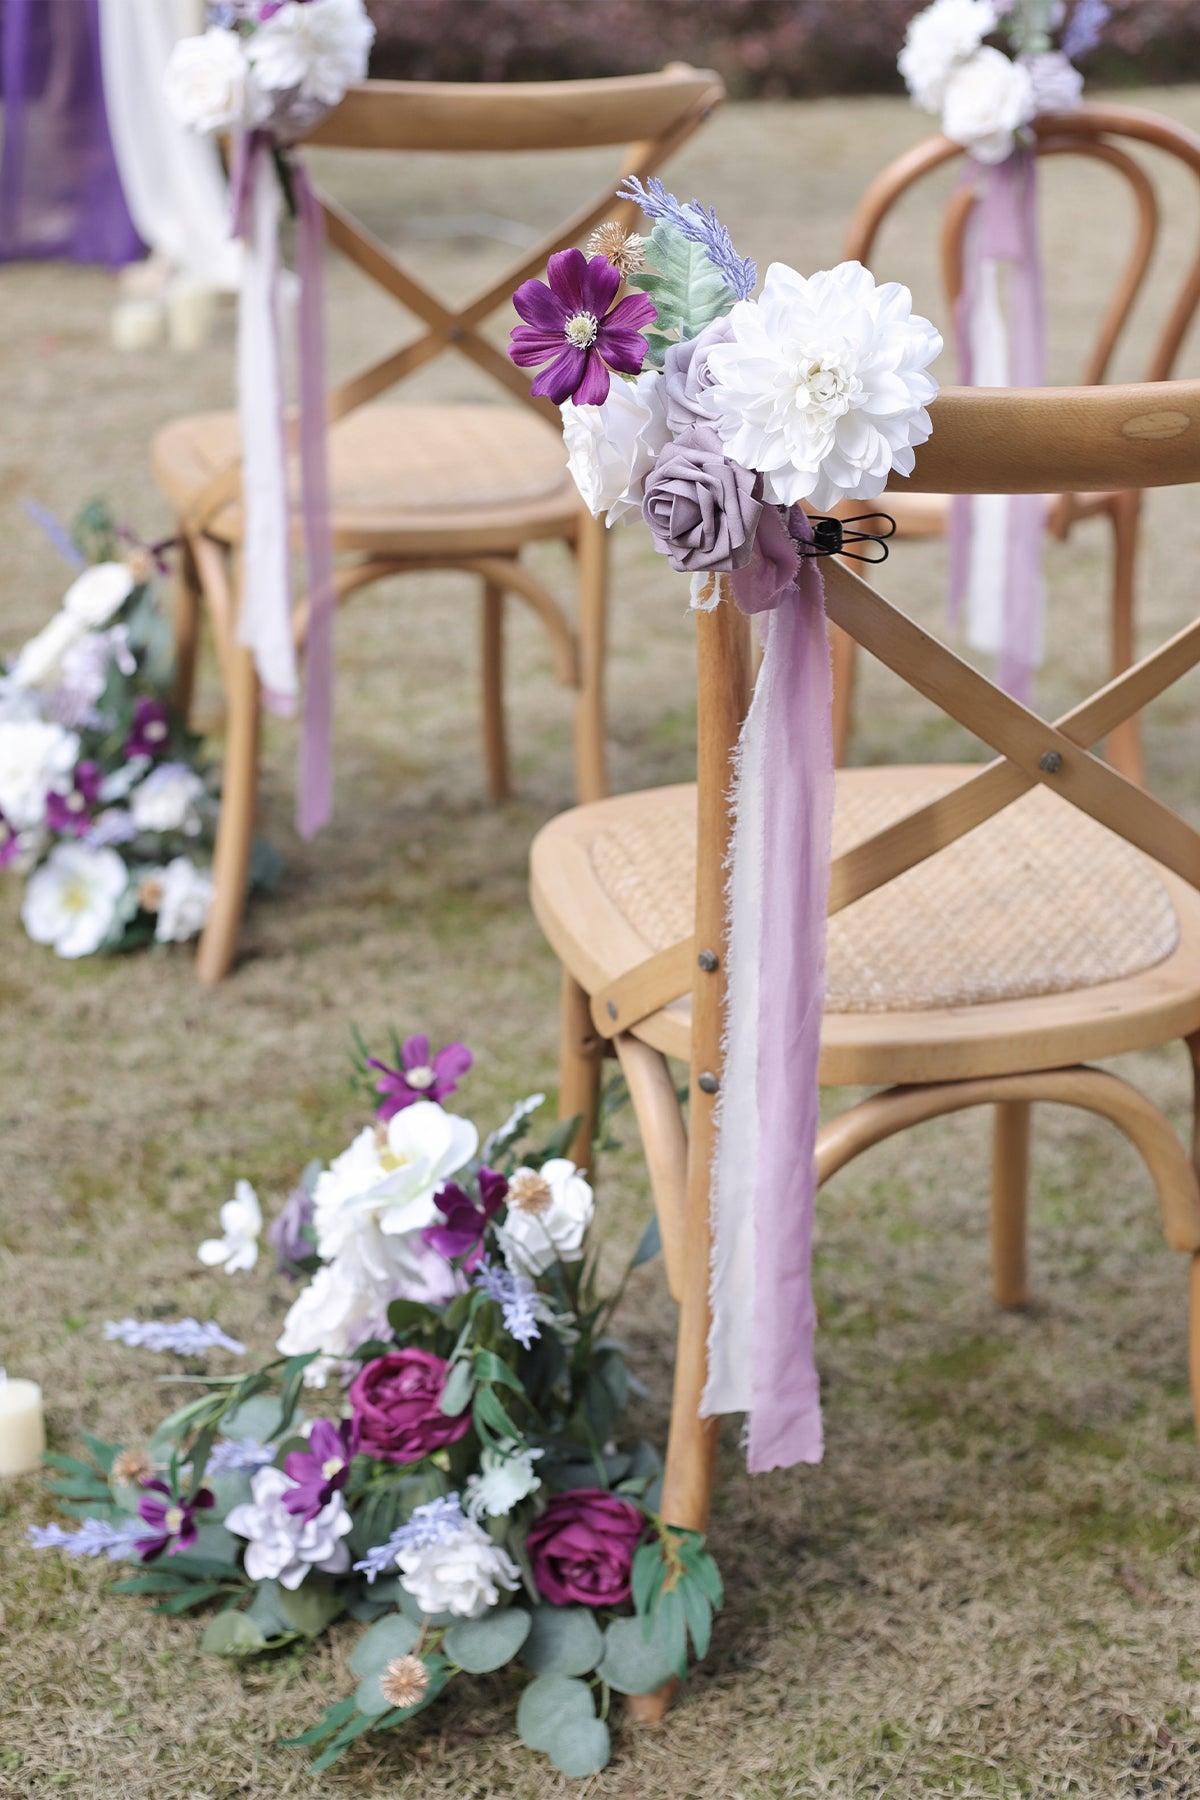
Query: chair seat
405	479
1037	927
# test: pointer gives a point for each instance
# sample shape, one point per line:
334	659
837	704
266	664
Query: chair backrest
646	116
1098	134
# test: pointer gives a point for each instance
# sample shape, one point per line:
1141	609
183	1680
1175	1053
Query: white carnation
72	901
549	1210
185	900
986	103
612	448
822	386
937	40
506	1478
168	800
284	1546
37	758
462	1573
315	50
210	86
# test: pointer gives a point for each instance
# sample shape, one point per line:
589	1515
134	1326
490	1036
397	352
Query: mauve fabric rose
686	379
395	1402
702	510
581	1548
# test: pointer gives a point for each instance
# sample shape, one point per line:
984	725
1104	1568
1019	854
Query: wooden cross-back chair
429	486
1102	135
993	927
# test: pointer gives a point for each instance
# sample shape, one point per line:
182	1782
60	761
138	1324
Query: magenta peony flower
568	324
462	1234
172	1522
581	1549
395	1401
420	1076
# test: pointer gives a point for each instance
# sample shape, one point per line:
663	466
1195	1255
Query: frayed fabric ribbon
265	624
995	539
761	1359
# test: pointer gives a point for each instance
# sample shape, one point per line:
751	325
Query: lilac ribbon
1002	228
775	1001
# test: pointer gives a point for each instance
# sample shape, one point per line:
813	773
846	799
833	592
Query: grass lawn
992	1585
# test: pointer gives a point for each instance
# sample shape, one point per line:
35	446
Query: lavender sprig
430	1524
700	225
230	1456
517	1298
1085	28
183	1337
95	1537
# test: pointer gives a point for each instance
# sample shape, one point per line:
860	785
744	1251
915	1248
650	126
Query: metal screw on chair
708	1084
1051	763
612	1009
709	961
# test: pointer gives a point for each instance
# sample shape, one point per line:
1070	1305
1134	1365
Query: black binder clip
831	537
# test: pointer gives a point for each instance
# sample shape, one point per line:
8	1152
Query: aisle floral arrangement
434	1452
106	807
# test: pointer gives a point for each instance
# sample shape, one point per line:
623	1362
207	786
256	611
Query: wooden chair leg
845	656
1010	1186
591	556
235	831
581	1056
188	602
495	735
1124	743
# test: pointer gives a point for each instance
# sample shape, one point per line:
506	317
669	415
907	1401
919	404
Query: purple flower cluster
95	1537
516	1296
230	1456
183	1337
429	1524
1085	28
171	1519
461	1237
700	225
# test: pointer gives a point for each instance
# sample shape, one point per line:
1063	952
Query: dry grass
990	1588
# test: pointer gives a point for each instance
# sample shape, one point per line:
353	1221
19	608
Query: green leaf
650	1244
335	1717
490	1367
685	287
546	1703
491	1415
191	1597
267	1612
105	1454
632	1663
232	1634
456	1395
407	1315
481	1645
580	1747
345	1737
154	1581
259	1417
649	1571
386	1640
563	1640
697	1612
312	1606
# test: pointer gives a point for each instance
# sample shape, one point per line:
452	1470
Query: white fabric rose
316	50
72	901
549	1209
987	101
506	1478
937	40
463	1573
388	1181
612	448
283	1546
99	593
241	1224
210	86
185	900
167	800
1057	83
37	758
822	386
40	660
346	1301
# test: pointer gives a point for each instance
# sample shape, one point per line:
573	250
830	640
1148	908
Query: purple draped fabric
60	194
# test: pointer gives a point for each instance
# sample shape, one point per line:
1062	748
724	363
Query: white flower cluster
283	1546
285	67
985	98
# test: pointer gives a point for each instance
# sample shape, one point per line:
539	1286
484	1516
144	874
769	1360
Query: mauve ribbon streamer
761	1349
1002	230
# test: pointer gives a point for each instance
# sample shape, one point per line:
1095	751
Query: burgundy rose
701	508
581	1549
396	1407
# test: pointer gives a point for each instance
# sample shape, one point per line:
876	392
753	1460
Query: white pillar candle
191	312
22	1432
137	324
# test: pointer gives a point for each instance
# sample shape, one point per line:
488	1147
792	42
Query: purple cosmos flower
150	731
420	1076
172	1521
285	1233
69	815
462	1234
569	325
322	1469
10	843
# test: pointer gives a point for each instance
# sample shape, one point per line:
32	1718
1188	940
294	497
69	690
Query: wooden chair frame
1093	133
650	116
1060	440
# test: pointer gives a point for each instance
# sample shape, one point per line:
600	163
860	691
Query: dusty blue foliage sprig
700	225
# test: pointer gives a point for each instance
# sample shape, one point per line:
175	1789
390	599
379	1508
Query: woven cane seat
493	475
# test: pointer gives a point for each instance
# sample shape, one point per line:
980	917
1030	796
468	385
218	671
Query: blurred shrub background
761	47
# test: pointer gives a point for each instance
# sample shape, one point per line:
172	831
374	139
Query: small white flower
316	50
73	900
1057	83
241	1224
937	40
99	593
185	895
612	448
549	1209
987	101
506	1478
39	661
463	1573
210	86
283	1546
822	386
17	704
37	758
168	800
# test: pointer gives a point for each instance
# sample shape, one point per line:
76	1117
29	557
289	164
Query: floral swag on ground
433	1453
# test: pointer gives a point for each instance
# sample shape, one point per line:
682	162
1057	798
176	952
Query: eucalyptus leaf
259	1417
216	1545
546	1703
563	1640
383	1643
312	1606
685	287
266	1611
633	1663
580	1747
456	1395
649	1245
233	1634
411	1609
481	1645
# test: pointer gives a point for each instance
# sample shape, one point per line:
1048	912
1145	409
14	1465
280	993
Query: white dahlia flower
315	49
987	101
